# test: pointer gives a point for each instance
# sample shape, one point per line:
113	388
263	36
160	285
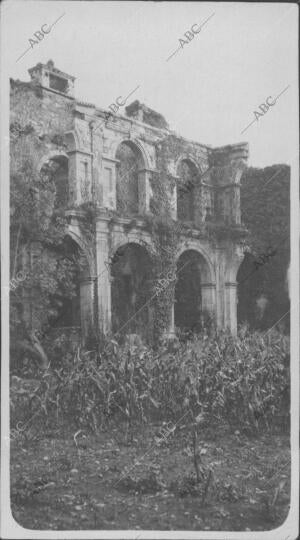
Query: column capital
102	225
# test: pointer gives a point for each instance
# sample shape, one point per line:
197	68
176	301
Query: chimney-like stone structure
48	76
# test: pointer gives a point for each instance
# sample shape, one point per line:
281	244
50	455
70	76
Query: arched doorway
131	272
75	300
127	184
187	173
192	290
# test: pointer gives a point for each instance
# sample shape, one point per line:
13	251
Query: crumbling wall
42	120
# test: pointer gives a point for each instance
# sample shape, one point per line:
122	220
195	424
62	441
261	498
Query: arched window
187	173
127	188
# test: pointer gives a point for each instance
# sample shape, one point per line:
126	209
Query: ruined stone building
120	164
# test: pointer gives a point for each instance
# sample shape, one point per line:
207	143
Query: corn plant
241	381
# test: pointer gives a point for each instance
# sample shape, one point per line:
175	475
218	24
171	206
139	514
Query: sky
244	54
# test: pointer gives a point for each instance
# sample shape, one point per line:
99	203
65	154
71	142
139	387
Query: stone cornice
146	169
77	151
107	158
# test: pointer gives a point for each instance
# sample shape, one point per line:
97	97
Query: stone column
208	295
170	331
87	315
231	306
219	287
236	205
103	275
108	182
173	198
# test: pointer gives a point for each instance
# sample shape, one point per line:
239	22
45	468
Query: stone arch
133	238
137	146
204	296
52	155
85	254
210	276
233	261
190	158
130	170
131	272
194	291
72	140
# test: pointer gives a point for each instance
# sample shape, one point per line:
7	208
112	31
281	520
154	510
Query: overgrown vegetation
241	381
265	207
165	239
195	383
37	248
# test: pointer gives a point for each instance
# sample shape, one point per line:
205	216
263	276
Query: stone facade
59	127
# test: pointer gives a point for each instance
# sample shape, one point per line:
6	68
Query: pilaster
208	295
231	306
87	297
103	275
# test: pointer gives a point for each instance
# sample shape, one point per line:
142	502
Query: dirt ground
58	485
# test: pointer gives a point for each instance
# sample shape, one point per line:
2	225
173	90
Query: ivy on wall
265	206
37	247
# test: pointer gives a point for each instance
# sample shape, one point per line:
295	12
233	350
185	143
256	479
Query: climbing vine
265	206
88	221
37	249
165	238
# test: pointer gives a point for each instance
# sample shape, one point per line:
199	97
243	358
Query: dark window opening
57	83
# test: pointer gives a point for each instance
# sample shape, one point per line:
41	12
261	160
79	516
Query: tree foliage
265	206
38	249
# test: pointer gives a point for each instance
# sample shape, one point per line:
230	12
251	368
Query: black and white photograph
149	270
